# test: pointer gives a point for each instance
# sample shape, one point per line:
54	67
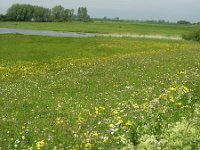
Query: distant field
107	27
98	93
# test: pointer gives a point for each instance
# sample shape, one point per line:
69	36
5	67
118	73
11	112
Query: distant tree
161	21
13	12
183	22
68	14
28	12
105	18
3	17
116	18
151	21
83	14
20	12
58	13
41	14
24	12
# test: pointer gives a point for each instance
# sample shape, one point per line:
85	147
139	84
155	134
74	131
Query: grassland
98	93
107	27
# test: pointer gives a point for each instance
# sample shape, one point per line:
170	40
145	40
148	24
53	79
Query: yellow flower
179	104
160	96
88	145
119	117
102	108
54	148
185	89
95	134
172	89
59	121
135	106
171	99
111	125
96	110
80	119
105	140
128	123
120	121
115	112
40	144
85	134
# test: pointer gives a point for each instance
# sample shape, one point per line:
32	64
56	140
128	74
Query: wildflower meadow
98	93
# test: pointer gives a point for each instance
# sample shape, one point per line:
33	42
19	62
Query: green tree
28	11
69	14
20	12
83	14
13	12
24	12
2	17
183	22
41	14
58	13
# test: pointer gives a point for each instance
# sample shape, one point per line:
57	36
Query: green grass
107	27
98	93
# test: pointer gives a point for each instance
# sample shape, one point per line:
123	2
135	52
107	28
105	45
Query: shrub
195	36
2	17
183	22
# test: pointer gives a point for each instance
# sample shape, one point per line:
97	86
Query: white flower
23	137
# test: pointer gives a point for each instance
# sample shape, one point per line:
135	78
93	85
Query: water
77	35
44	33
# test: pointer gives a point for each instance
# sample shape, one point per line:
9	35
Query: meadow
99	92
111	27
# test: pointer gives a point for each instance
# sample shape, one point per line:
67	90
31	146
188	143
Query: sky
169	10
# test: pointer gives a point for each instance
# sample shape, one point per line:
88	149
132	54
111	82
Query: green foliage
83	14
41	14
24	12
20	12
58	13
69	14
195	36
183	22
3	17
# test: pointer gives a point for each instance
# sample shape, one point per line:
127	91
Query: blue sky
170	10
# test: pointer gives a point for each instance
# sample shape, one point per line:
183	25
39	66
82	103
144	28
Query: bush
183	22
2	17
195	36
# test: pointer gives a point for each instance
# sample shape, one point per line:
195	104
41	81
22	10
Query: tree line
27	12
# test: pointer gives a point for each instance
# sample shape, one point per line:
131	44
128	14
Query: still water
44	33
